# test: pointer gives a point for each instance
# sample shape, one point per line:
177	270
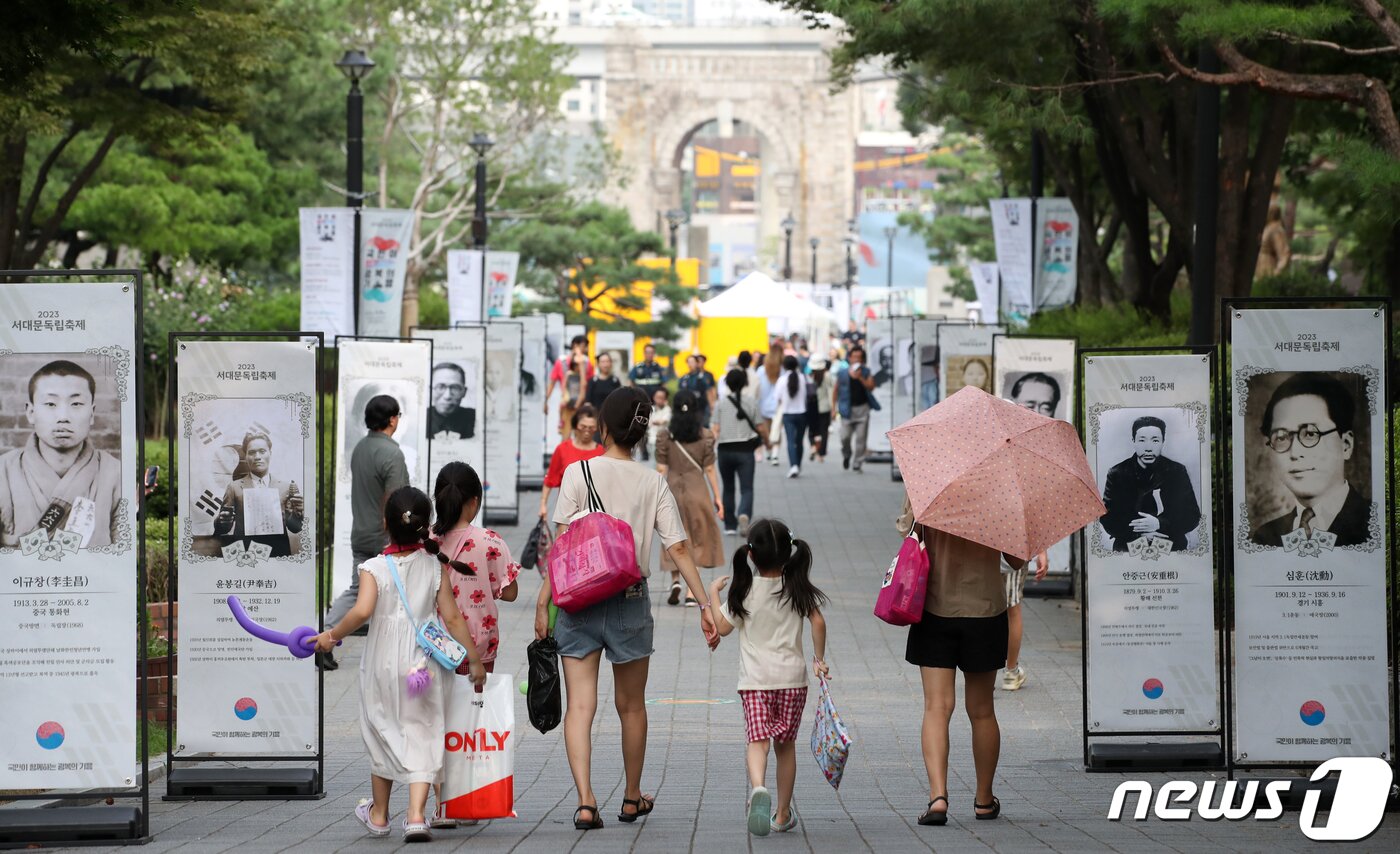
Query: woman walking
739	434
792	408
685	454
582	444
963	628
768	397
821	386
621	625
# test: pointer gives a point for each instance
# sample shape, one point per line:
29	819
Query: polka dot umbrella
989	471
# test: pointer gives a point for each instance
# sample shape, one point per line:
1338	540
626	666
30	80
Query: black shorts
970	644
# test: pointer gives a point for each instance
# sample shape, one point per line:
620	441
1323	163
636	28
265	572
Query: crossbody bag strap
403	597
743	416
682	449
595	504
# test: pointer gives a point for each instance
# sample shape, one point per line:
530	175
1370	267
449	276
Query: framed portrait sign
68	541
1150	636
1309	531
534	378
964	354
926	376
456	398
247	431
880	353
505	341
906	371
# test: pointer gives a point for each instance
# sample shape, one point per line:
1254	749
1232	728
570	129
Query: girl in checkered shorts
771	595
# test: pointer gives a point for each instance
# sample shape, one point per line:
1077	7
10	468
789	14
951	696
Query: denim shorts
622	626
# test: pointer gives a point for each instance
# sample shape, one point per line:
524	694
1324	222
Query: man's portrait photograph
1043	392
452	401
60	469
1149	465
1308	458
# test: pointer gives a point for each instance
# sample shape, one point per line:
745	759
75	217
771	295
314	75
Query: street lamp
355	66
890	232
674	218
788	225
814	242
481	143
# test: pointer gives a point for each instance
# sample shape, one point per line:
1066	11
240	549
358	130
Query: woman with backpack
621	625
739	434
685	454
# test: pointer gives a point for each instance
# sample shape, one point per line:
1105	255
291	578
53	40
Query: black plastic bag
536	547
543	699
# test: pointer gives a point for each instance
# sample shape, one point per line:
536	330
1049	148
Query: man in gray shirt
377	468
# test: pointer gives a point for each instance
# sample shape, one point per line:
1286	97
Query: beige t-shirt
630	491
770	639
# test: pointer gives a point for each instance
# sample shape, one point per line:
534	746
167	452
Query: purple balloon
300	642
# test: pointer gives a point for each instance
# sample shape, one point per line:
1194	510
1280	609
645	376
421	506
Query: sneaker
743	524
1013	678
774	461
675	597
731	532
845	459
794	471
440	821
690	602
760	812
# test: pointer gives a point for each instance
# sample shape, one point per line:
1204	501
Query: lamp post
890	232
481	143
814	242
355	66
788	225
674	218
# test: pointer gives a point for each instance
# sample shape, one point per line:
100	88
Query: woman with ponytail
402	725
771	595
792	408
685	454
622	625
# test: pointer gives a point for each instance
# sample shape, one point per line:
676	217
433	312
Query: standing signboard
504	346
1013	235
465	280
619	346
1310	530
385	235
456	398
534	379
327	265
926	376
880	357
905	398
965	356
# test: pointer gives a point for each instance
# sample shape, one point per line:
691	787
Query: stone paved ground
695	761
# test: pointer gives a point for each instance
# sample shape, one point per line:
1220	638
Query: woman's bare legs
630	695
581	683
940	698
986	734
418	802
379	810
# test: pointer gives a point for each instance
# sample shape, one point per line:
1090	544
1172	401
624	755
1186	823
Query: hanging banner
247	440
327	270
987	282
880	356
965	356
1011	231
504	346
400	369
384	241
465	283
68	556
1056	253
456	398
906	369
1149	563
534	377
1038	374
555	345
1310	531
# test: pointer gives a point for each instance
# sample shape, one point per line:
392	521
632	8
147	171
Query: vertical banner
1038	374
457	399
327	267
504	346
247	434
987	282
1012	233
1056	253
906	371
385	235
1149	568
965	356
880	356
619	346
555	346
534	377
400	369
465	282
926	376
1310	530
68	549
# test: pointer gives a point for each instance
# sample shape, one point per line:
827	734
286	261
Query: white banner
906	371
987	282
965	356
534	378
457	399
555	346
1149	563
1038	374
247	508
926	375
504	344
327	267
1310	532
1011	231
68	556
385	235
880	357
1056	253
465	284
400	369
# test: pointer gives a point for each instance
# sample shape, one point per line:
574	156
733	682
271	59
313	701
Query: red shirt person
582	444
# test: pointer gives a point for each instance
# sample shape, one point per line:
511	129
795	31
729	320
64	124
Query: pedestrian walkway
696	746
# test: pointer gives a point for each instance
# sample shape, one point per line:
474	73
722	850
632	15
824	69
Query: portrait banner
555	345
327	268
466	281
926	376
504	349
986	281
1309	533
964	355
385	235
619	346
880	357
401	370
1039	374
906	371
1056	253
68	544
1013	236
534	379
247	430
1149	568
456	399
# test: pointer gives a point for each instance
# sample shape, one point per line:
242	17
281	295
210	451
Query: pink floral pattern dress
485	552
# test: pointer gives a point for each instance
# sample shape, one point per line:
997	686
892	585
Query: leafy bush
1114	326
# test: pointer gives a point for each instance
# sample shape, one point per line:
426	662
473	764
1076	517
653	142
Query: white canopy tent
757	295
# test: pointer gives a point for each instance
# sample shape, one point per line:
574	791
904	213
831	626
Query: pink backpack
901	599
595	559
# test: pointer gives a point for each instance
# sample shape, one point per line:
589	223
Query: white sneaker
1013	678
774	461
794	472
743	524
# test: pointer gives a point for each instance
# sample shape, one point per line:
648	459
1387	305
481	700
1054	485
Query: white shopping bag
478	771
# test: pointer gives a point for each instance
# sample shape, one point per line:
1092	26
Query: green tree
960	230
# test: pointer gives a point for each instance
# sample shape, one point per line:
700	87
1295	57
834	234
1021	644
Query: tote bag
901	599
595	559
478	767
831	744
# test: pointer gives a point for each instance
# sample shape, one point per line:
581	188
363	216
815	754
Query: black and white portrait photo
1309	458
410	432
501	399
1149	461
883	351
452	402
60	462
1042	392
975	371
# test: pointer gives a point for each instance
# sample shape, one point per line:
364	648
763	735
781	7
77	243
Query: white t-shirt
630	491
770	639
791	404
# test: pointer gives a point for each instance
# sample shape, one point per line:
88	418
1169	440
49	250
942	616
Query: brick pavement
695	761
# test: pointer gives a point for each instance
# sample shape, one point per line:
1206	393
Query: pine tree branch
1382	19
1349	51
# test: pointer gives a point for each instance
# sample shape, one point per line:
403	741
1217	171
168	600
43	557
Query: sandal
935	819
760	812
362	815
994	806
641	812
593	824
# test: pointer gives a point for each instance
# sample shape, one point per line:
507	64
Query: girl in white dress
403	734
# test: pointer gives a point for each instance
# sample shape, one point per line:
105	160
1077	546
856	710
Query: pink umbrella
992	472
